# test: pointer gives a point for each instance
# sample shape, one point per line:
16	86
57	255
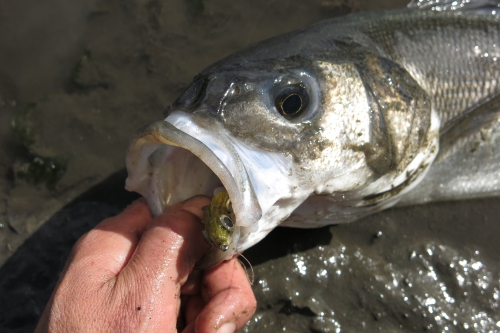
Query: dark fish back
454	56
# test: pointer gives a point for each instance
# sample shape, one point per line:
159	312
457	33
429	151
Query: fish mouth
175	159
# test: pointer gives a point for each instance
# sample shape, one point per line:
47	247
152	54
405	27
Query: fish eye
226	222
192	94
292	101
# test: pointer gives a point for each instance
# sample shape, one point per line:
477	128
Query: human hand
134	273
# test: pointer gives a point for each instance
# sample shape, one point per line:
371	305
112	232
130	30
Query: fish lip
231	173
235	179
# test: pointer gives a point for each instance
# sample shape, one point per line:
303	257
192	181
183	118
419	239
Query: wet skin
134	273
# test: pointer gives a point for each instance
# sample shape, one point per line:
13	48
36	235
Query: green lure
218	220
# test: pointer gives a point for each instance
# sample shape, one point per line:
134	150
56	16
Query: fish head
270	132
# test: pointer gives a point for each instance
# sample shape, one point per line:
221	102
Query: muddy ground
76	79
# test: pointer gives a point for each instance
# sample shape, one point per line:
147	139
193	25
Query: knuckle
87	244
82	243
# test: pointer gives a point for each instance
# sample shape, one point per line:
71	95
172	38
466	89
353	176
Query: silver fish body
333	122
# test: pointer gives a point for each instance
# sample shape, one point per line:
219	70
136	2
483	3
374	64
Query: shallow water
432	268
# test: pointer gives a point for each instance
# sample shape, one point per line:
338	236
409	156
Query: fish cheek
257	123
400	114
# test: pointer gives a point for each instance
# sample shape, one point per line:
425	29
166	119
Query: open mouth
166	164
175	159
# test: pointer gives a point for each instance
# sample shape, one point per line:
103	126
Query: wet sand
99	70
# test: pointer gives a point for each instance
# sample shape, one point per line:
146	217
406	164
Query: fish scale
456	73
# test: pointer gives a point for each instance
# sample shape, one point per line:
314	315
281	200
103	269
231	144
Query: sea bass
331	123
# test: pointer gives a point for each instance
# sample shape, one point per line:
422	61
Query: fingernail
227	328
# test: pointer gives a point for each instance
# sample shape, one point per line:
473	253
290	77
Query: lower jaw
172	160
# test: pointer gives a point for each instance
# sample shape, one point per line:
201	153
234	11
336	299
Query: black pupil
292	104
227	222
